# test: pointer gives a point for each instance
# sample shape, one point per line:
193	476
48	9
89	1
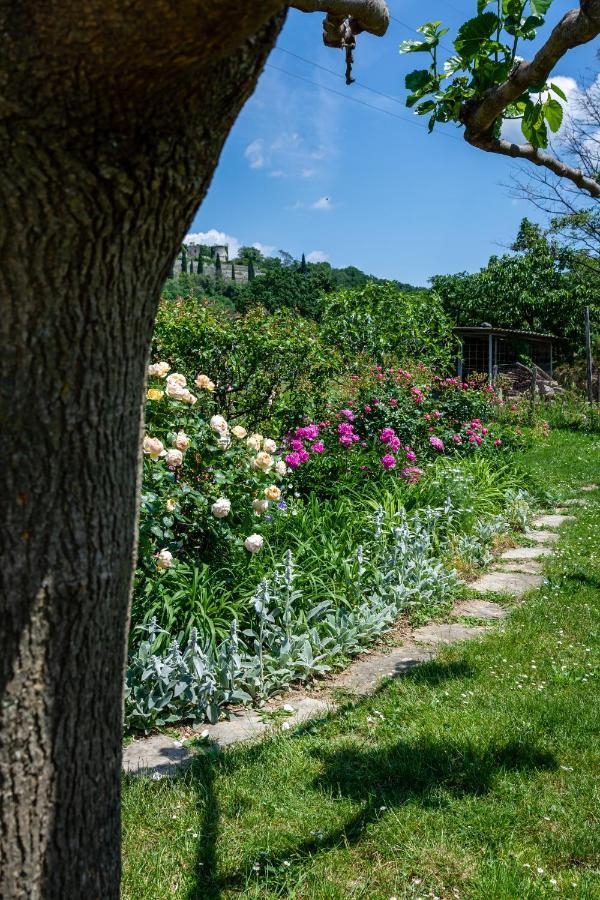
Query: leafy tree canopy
537	287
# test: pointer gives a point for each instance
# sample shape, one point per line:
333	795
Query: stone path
516	572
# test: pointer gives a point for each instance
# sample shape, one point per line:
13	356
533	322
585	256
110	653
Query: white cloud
322	203
308	173
317	256
277	173
255	154
511	129
265	249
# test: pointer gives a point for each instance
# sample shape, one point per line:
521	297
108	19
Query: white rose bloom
171	504
182	441
177	378
254	543
280	468
262	461
221	508
153	447
260	506
204	383
175	391
239	432
174	458
188	397
224	441
159	369
255	441
269	445
218	423
164	560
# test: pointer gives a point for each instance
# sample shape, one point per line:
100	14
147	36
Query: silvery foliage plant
393	571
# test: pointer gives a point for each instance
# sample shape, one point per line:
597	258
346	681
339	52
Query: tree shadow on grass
423	772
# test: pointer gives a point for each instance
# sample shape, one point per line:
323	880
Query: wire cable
379	109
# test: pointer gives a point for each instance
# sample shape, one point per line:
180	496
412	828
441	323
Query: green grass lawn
474	777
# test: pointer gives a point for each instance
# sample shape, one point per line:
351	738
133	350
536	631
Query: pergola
494	350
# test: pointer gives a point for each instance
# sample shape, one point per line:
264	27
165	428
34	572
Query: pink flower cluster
347	434
299	453
412	474
437	443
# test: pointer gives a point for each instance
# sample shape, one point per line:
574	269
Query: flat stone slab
480	609
514	583
588	488
574	501
448	634
542	537
528	566
157	754
526	553
553	520
363	676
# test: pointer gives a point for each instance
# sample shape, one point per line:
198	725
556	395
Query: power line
356	100
361	84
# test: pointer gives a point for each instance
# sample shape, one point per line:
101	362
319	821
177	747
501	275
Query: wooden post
588	354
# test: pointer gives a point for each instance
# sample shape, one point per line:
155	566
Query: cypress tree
200	266
232	272
251	272
303	268
218	269
183	261
191	266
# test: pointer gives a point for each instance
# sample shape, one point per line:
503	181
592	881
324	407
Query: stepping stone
363	676
157	754
574	501
588	488
480	609
514	583
448	634
552	521
530	567
527	553
542	537
246	724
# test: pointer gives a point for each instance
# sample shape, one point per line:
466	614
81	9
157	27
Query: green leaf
412	46
559	91
473	33
553	113
418	79
540	7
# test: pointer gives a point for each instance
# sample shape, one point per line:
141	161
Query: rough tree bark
112	117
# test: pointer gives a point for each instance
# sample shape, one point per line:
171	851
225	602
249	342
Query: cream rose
174	458
272	492
224	441
171	505
175	391
260	506
182	441
262	461
254	441
154	394
153	448
218	424
159	369
188	397
269	445
221	508
239	432
204	383
177	378
164	559
254	543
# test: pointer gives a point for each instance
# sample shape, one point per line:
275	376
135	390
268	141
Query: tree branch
578	26
364	15
538	157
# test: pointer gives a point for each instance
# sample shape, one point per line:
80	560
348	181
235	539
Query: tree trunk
112	119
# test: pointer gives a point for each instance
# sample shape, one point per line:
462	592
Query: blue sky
307	170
